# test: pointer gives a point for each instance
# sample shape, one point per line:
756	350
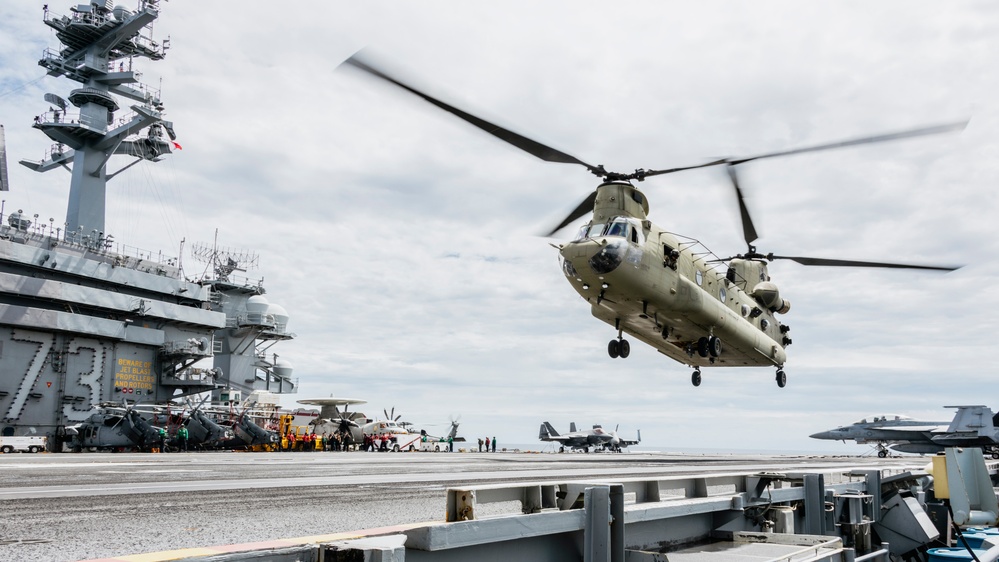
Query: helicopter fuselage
668	291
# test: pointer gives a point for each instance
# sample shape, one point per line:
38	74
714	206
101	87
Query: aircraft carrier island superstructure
85	320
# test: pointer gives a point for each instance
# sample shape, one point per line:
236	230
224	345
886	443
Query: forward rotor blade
530	146
855	263
584	207
748	230
923	131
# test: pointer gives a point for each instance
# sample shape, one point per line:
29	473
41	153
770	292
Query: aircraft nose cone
821	435
608	258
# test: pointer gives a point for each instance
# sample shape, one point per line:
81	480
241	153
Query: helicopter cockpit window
590	231
626	228
619	227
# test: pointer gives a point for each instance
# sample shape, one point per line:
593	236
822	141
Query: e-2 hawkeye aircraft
972	426
663	288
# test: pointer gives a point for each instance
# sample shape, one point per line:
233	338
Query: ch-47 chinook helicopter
661	287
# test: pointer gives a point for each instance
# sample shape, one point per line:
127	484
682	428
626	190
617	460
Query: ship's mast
99	46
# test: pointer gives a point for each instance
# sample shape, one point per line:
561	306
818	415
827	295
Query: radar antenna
223	261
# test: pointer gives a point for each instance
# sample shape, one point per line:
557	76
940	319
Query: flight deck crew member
163	436
480	444
182	437
494	444
450	444
487	444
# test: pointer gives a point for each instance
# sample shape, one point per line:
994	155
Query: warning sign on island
134	374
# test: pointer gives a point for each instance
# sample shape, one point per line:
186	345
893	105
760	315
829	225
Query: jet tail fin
547	431
572	427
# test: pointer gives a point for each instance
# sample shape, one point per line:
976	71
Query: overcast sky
404	243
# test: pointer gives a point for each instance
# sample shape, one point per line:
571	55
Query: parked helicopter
203	431
113	426
663	288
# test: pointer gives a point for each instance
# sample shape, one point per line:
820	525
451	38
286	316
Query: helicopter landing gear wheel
619	348
702	347
695	378
665	332
882	454
714	346
781	379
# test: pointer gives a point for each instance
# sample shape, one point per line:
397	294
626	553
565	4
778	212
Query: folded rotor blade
855	263
530	146
584	207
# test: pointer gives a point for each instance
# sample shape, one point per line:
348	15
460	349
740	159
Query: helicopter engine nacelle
767	294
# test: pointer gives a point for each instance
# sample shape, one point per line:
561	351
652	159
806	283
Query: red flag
177	145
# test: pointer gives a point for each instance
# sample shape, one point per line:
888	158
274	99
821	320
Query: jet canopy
882	418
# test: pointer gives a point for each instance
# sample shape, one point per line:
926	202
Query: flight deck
100	505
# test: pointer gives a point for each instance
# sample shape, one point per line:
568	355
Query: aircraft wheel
702	347
665	332
561	449
625	349
614	349
695	378
714	346
882	454
781	379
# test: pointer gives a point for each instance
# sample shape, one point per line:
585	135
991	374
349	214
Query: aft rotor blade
855	263
530	146
584	207
748	230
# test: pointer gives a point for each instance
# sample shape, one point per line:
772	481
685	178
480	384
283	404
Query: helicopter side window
582	233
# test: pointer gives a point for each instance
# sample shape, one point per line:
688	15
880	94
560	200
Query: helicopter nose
608	258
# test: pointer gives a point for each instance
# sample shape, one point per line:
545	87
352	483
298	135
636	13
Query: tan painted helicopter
663	288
